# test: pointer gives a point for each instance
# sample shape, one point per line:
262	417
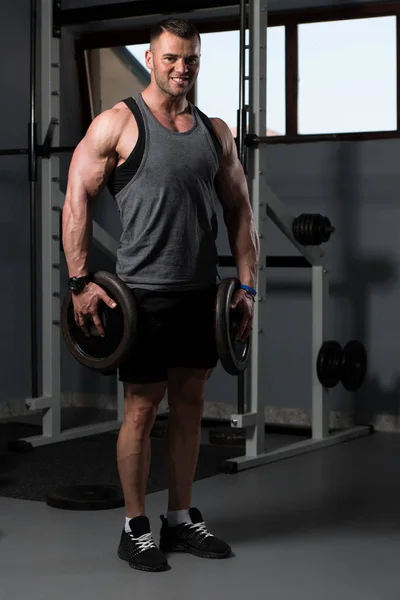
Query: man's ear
149	59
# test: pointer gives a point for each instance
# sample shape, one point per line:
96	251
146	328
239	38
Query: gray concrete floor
325	525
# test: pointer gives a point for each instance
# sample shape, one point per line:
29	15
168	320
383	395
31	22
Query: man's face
175	63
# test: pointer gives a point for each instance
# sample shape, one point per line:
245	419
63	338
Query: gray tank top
168	209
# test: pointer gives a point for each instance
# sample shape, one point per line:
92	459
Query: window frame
289	19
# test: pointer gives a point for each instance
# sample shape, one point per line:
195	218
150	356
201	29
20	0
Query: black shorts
175	329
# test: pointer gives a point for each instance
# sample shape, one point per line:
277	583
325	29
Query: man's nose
181	66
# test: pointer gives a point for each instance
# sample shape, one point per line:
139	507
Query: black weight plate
234	356
354	366
120	324
325	229
85	497
329	363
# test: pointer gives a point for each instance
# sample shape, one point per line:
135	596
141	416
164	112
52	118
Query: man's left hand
243	302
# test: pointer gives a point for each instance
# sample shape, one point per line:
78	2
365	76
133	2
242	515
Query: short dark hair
179	27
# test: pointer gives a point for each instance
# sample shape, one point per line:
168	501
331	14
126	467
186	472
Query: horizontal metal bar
241	463
58	150
287	262
73	433
39	150
306	138
13	151
139	8
272	262
254	140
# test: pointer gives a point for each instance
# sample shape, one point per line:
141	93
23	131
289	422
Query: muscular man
167	165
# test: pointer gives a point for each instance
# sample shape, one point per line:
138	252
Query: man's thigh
190	338
145	363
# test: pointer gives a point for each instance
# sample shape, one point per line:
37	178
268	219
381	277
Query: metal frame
266	203
52	202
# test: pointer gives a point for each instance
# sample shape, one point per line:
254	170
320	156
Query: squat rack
52	200
252	150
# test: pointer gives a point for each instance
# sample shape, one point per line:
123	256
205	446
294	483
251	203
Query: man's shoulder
220	126
223	132
106	128
114	118
119	111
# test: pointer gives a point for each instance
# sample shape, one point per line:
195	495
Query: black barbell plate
312	229
354	365
329	363
120	324
85	497
234	356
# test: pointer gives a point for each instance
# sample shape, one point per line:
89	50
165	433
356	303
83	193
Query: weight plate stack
312	229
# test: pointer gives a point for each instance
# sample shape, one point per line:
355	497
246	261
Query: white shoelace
201	528
144	542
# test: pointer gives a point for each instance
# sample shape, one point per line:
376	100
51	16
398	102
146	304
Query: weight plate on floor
234	356
120	324
85	497
329	363
354	366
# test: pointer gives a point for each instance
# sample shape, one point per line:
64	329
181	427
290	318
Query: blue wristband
249	289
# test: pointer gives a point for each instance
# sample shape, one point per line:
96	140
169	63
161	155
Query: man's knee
141	404
187	382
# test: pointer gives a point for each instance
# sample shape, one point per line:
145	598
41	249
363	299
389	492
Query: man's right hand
86	307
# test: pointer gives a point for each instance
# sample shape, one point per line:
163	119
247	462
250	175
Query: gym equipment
103	354
329	364
354	365
312	229
347	365
85	497
234	355
120	324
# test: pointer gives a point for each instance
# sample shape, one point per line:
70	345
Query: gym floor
322	525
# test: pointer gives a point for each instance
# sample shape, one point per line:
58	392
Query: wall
355	184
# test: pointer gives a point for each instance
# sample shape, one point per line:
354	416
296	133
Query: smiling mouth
180	79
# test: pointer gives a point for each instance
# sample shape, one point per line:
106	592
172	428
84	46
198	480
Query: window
347	76
218	81
117	73
331	72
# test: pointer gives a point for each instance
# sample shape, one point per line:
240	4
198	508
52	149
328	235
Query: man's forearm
244	243
77	235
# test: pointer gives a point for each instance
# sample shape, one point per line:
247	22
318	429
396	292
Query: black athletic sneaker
138	548
193	538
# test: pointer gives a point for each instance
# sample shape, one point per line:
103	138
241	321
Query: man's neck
157	101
